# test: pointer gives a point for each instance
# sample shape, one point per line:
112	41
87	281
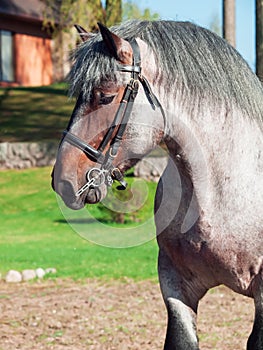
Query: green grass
34	114
34	233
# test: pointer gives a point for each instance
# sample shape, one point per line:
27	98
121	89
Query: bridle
108	172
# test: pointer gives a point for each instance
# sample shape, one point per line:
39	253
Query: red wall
33	61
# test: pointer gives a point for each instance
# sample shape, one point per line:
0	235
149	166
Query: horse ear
84	35
118	47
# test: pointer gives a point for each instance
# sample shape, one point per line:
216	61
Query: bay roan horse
141	83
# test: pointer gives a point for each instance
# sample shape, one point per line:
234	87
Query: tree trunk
229	21
259	39
113	12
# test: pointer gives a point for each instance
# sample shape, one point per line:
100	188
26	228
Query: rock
51	270
40	272
21	155
150	168
28	275
13	276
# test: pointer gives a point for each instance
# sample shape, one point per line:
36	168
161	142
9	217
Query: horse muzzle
67	193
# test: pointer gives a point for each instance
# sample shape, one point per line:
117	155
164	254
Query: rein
108	173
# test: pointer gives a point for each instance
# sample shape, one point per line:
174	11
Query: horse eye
105	99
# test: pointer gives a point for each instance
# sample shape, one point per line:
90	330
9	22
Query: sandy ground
111	315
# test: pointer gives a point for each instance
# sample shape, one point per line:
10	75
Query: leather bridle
108	172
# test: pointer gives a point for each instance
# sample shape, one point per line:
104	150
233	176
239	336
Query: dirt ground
115	315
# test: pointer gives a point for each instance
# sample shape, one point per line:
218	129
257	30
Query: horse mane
204	67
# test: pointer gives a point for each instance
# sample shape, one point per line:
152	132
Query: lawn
34	233
34	114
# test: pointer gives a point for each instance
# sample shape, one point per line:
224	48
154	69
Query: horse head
117	118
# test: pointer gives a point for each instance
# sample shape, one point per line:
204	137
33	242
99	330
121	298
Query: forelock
92	65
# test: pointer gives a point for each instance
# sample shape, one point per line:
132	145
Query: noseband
108	172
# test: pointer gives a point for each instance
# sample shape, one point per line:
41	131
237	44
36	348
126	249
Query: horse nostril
66	191
53	180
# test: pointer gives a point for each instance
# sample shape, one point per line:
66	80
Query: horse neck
216	140
221	147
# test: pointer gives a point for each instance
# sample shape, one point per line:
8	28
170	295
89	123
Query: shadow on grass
75	221
34	113
59	90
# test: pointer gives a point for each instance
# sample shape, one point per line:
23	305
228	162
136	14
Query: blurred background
36	38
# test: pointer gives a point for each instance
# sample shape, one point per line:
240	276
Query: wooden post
229	21
259	39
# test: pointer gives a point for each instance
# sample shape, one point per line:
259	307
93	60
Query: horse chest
212	261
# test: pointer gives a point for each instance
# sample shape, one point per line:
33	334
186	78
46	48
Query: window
6	56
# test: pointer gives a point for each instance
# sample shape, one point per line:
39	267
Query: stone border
150	168
14	276
22	155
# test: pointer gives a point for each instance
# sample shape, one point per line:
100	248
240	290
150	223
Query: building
25	47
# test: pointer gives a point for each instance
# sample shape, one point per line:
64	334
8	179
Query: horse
206	105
